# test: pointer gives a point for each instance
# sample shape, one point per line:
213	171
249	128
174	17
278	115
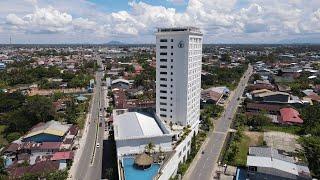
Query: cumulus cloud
84	24
216	18
14	20
41	20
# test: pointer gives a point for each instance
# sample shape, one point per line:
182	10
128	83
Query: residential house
214	95
120	84
52	131
261	107
270	163
272	97
290	116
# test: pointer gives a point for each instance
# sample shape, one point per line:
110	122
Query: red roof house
62	156
290	116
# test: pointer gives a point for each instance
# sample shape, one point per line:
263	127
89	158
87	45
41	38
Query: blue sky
134	21
119	5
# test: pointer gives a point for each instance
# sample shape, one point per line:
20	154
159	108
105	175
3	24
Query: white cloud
217	18
34	2
84	24
48	17
42	20
14	20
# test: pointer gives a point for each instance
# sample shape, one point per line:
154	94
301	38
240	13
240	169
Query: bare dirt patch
281	140
256	138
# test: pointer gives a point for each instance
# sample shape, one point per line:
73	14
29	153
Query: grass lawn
241	157
3	141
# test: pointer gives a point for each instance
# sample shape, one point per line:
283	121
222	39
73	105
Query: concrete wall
136	146
181	154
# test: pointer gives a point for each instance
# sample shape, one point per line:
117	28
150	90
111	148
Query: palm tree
150	147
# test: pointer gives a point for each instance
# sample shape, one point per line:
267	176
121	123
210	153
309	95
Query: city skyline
101	21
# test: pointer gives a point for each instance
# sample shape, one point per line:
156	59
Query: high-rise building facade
178	79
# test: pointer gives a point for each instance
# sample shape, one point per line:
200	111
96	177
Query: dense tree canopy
34	110
222	76
311	141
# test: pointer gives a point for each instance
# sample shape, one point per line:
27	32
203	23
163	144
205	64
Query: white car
98	145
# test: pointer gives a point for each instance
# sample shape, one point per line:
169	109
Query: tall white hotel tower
178	79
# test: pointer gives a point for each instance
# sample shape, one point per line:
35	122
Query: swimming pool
132	173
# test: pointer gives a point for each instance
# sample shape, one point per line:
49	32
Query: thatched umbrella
143	160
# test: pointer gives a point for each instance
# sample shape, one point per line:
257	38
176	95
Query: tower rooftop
180	29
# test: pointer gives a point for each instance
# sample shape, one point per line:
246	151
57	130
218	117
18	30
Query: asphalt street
90	163
204	164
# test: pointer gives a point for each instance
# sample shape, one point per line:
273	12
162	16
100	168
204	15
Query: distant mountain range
114	43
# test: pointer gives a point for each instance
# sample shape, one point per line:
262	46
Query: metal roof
134	125
51	127
271	158
272	163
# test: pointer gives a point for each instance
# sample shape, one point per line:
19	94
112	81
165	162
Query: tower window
163	47
163	40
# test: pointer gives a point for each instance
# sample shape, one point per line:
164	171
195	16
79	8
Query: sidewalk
82	142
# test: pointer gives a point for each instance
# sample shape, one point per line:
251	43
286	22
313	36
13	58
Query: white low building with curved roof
133	131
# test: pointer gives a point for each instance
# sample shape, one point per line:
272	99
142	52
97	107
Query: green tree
13	136
3	172
36	109
311	119
30	177
226	57
311	146
149	147
71	112
109	109
11	101
57	175
193	146
258	120
256	77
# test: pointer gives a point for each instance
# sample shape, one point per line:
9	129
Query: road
89	165
204	165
